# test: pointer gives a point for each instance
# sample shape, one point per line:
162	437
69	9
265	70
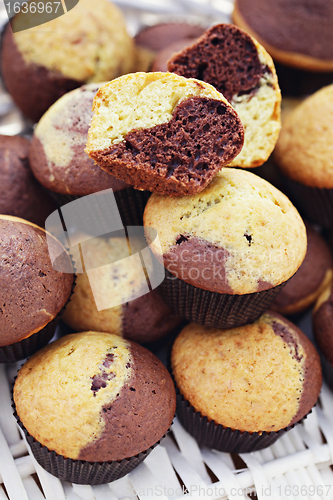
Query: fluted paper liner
215	309
131	203
80	471
315	203
216	436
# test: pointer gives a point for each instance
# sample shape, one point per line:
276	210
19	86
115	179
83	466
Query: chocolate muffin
153	39
240	389
20	194
226	250
304	156
88	44
93	406
323	331
162	132
297	34
138	314
32	292
240	68
315	273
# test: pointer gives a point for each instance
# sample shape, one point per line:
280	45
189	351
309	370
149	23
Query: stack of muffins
232	246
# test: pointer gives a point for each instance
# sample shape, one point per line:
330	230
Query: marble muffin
303	155
238	237
57	155
88	44
96	398
162	132
140	315
20	194
241	69
32	291
322	319
315	273
257	379
297	34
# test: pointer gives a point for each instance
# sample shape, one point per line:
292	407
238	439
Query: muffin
228	250
315	273
88	44
304	156
242	388
240	68
323	331
93	406
151	40
20	194
162	132
297	34
138	314
32	293
60	164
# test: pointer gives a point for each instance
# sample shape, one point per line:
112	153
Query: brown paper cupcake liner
314	203
131	204
28	346
80	471
216	436
215	309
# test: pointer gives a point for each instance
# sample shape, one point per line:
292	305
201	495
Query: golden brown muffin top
93	396
89	44
249	228
252	378
304	151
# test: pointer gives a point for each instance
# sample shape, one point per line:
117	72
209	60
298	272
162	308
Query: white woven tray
298	466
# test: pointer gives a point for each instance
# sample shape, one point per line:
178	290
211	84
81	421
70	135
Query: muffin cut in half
241	69
93	406
241	388
162	132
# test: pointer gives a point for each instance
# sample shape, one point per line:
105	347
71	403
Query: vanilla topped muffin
257	378
238	236
241	69
163	132
117	283
94	397
87	44
304	149
297	34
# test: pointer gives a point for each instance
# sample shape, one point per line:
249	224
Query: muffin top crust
259	377
304	151
89	44
239	235
32	291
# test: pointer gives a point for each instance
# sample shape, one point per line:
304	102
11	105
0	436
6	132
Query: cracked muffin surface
239	235
260	377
